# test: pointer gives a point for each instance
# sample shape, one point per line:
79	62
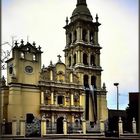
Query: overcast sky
42	21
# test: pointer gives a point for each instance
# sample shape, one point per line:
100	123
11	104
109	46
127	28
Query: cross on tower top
59	56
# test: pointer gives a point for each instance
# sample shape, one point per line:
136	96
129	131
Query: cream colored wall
60	67
28	78
83	102
31	102
23	101
80	75
104	109
102	113
14	106
19	68
4	102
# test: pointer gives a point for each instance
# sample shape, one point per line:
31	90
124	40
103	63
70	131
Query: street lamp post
116	84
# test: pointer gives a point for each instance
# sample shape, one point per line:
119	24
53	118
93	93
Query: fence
42	127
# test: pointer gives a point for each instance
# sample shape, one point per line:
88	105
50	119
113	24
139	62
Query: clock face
29	69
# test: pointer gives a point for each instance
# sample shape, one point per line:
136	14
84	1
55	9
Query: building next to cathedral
70	90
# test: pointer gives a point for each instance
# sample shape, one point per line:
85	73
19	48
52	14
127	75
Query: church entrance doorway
60	125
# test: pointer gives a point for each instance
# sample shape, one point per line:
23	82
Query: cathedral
70	90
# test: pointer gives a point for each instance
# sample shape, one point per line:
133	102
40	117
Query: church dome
81	11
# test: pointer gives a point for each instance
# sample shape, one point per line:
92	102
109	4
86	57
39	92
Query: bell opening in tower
86	86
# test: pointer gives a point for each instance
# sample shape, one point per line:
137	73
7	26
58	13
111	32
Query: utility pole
116	84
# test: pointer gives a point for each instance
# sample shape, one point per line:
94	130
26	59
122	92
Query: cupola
81	12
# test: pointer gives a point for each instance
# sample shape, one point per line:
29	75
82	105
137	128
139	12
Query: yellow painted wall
23	101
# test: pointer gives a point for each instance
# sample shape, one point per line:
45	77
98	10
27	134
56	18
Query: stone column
72	120
96	38
71	78
72	36
99	59
84	103
134	129
52	98
120	123
65	126
88	36
84	126
53	122
78	34
81	75
89	58
89	80
102	127
72	100
67	39
52	117
96	59
51	75
56	100
71	60
66	60
42	97
14	127
82	57
65	101
80	99
81	34
78	56
43	126
22	127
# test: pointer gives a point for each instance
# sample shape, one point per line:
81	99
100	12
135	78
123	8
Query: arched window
84	35
76	123
46	100
28	49
91	37
85	57
86	84
92	60
22	55
70	38
75	36
74	59
47	122
60	76
34	57
10	70
60	100
69	61
76	100
93	81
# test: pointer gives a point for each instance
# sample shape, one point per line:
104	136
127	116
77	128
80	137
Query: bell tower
23	70
25	64
82	53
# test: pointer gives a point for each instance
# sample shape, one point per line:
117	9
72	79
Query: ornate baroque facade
70	90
